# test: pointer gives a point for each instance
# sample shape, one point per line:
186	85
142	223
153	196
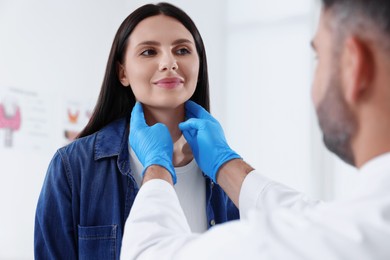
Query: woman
157	58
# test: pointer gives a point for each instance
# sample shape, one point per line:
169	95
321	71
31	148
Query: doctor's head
352	45
158	58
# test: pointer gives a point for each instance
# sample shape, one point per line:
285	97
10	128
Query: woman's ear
356	68
122	75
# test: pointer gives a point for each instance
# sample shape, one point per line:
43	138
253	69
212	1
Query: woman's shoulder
80	144
70	158
108	140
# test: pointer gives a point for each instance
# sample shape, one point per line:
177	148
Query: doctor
351	94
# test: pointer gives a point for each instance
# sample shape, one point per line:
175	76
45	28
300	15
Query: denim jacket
87	196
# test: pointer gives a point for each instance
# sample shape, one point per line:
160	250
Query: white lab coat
277	223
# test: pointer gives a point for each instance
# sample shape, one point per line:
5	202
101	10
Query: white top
277	223
190	189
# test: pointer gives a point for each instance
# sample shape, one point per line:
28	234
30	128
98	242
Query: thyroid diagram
77	117
10	120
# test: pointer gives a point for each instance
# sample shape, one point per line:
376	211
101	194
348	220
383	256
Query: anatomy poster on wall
25	119
76	116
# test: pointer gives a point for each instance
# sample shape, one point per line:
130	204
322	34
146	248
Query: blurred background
52	60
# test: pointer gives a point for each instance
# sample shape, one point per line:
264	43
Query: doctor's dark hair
115	100
361	15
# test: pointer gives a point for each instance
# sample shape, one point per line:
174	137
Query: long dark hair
116	101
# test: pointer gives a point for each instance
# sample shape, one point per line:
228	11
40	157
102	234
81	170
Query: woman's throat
182	154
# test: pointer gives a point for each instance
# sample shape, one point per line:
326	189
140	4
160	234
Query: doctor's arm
216	159
157	226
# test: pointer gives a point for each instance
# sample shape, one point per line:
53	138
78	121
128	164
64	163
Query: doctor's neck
171	117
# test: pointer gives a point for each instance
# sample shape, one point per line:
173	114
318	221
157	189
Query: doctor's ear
357	68
122	75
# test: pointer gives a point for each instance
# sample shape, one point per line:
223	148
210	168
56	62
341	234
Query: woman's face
161	63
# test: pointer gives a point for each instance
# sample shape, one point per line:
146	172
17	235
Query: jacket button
212	222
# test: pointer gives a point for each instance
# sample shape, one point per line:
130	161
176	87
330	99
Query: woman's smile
169	83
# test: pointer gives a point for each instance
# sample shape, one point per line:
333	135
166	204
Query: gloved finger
189	128
161	128
191	124
189	135
137	115
194	110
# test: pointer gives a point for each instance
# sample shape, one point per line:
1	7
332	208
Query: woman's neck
171	117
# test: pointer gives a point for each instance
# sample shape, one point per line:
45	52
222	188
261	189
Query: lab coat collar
378	164
374	175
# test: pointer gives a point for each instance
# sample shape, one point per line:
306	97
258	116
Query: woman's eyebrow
155	43
180	41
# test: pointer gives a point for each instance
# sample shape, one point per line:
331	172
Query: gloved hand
207	140
152	144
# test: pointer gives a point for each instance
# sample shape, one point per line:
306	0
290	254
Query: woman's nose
168	63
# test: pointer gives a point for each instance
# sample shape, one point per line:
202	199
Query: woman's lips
169	83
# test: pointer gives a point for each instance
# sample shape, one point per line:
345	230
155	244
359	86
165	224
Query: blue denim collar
112	140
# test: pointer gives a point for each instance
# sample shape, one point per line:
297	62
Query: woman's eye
149	52
183	51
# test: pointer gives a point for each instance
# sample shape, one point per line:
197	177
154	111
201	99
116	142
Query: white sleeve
157	229
259	192
156	220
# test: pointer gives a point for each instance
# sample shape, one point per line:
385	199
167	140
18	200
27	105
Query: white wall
268	90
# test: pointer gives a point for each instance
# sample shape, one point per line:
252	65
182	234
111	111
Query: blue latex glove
207	140
152	144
